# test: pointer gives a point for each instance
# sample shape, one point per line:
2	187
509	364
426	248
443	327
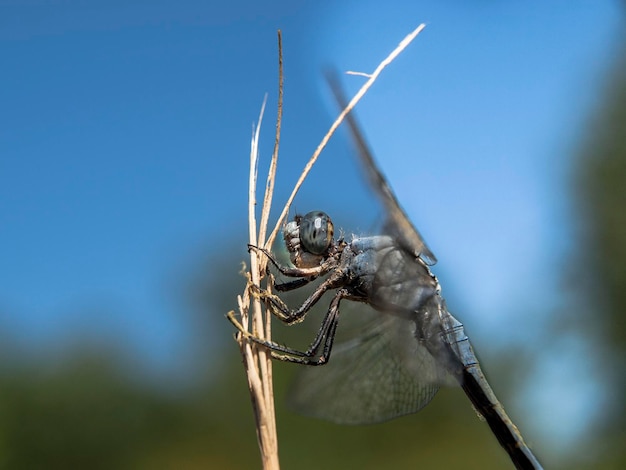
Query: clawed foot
273	302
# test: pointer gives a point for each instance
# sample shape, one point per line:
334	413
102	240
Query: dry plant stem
256	359
266	361
372	78
267	204
269	189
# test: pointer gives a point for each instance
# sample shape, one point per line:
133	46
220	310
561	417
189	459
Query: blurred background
124	147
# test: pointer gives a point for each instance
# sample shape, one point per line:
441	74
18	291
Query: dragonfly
396	362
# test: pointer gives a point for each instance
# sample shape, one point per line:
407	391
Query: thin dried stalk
257	361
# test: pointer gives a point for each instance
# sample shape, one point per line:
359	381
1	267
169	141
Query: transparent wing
397	224
380	373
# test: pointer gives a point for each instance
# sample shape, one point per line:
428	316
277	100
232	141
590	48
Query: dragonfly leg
292	285
324	338
288	271
275	304
273	346
288	316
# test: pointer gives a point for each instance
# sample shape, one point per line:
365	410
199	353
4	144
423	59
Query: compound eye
316	232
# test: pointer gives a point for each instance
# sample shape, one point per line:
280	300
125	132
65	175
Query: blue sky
124	140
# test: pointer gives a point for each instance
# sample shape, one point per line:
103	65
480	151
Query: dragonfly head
316	232
309	238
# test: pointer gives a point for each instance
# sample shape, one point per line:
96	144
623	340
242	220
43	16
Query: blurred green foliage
600	193
86	414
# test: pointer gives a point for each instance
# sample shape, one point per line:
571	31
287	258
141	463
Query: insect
395	365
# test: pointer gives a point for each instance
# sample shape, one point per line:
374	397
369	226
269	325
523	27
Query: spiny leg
325	336
288	271
293	285
252	337
288	316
